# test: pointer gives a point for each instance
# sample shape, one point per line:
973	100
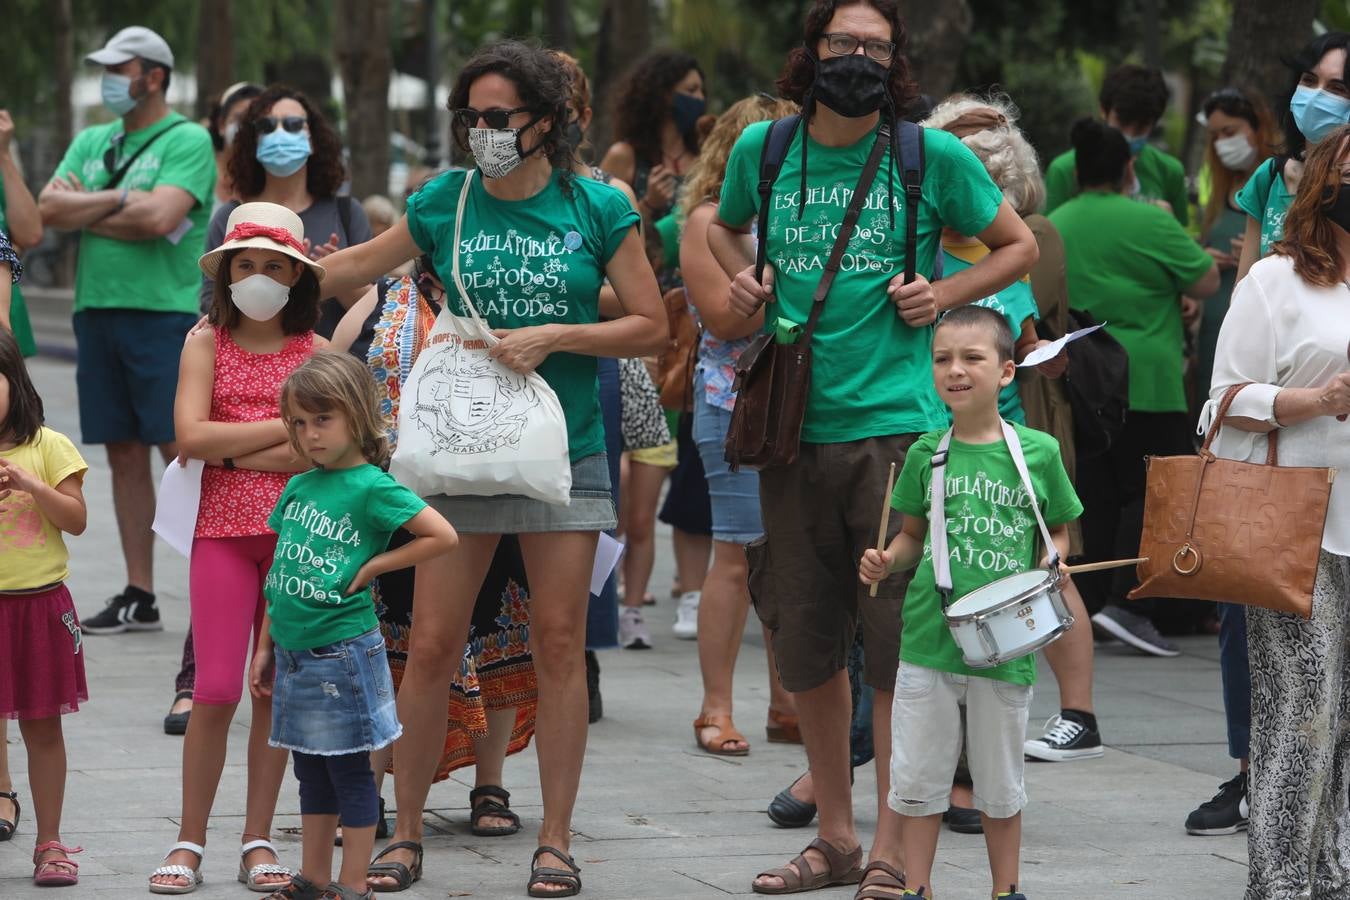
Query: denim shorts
334	699
734	495
127	373
591	509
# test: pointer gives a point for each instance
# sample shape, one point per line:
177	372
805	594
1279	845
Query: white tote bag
468	424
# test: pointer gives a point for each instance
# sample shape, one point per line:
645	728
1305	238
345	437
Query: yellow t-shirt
32	551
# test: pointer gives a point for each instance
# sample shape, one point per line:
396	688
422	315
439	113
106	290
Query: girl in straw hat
262	317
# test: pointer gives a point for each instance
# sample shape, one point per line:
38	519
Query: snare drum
1008	618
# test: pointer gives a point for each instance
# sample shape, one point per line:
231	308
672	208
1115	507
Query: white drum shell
1008	618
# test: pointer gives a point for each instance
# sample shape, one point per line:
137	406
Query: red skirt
41	655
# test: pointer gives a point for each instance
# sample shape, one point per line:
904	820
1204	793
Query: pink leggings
225	581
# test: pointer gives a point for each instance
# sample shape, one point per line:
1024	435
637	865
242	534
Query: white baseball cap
131	43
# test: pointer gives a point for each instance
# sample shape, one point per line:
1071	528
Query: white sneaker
633	633
686	617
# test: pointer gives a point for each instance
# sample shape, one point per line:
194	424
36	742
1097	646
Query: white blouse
1281	332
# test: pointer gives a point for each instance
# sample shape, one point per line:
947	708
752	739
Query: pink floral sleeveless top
247	388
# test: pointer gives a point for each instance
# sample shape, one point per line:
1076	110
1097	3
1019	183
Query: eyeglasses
841	44
468	117
268	124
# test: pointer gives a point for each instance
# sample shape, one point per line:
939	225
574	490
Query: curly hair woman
286	152
656	115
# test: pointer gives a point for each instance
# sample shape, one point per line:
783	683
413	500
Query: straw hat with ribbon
266	225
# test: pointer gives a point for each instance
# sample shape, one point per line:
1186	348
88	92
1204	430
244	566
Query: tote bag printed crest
469	424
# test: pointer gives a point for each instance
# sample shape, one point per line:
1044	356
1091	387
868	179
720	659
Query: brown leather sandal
843	868
726	734
783	728
880	881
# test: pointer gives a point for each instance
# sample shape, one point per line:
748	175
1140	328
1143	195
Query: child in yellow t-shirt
41	667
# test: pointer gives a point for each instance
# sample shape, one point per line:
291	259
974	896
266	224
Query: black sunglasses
468	117
268	124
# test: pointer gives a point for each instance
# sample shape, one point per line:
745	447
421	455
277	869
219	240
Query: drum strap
942	564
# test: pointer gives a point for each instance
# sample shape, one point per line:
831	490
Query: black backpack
1098	383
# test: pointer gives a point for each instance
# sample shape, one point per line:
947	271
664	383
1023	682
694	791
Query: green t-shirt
871	372
1128	264
533	262
18	310
1266	198
991	534
157	275
1016	303
329	524
1161	177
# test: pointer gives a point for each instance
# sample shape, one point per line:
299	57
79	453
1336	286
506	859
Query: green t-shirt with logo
1161	177
18	310
1015	302
991	534
159	274
329	523
1266	198
1128	264
528	262
871	372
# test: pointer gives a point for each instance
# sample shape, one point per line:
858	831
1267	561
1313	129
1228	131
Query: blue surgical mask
117	94
1317	113
283	152
1137	144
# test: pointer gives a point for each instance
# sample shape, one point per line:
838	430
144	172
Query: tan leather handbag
675	367
1218	529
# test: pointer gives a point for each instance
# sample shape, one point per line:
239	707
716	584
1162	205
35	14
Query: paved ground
656	818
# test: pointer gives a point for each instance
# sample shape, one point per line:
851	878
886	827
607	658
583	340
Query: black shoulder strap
911	168
344	205
771	157
126	166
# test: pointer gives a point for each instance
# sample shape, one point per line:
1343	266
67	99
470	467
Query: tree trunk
362	41
63	27
215	53
558	30
1260	33
625	35
938	30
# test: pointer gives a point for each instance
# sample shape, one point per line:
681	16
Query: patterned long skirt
1298	844
497	671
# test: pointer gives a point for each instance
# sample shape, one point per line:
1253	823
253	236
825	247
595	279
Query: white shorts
926	741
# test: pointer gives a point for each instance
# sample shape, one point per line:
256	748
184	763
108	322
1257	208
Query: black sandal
786	811
491	807
402	875
7	828
569	881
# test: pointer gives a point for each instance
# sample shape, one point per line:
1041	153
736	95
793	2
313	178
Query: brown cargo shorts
820	514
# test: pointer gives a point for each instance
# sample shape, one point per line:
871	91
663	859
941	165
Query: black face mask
853	86
1336	205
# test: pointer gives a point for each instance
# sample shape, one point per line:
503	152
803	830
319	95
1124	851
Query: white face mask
260	297
495	150
1235	152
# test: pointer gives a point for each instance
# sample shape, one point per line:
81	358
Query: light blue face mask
1137	144
117	94
1317	113
283	152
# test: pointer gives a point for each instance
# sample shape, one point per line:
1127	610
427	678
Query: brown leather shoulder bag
1219	529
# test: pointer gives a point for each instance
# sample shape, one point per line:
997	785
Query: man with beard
871	393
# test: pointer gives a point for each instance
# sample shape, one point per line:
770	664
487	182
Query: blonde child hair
329	381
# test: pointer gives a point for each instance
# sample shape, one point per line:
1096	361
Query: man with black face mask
871	391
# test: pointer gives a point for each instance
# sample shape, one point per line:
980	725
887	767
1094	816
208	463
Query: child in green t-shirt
991	533
333	698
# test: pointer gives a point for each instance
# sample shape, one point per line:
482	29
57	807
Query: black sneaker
963	820
1135	630
1226	813
131	610
1065	738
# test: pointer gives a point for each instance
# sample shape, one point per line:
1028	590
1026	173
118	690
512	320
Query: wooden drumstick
1105	564
885	521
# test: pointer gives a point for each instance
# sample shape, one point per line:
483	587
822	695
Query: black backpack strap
911	169
774	151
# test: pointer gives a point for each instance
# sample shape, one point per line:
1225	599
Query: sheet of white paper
180	494
607	555
1051	350
179	232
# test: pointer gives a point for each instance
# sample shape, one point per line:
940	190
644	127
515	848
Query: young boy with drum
1001	485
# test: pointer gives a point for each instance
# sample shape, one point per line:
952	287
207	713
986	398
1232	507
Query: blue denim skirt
334	699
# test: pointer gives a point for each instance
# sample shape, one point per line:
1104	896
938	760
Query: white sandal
193	876
250	876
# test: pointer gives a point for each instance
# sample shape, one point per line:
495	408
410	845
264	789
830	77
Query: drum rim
1048	585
